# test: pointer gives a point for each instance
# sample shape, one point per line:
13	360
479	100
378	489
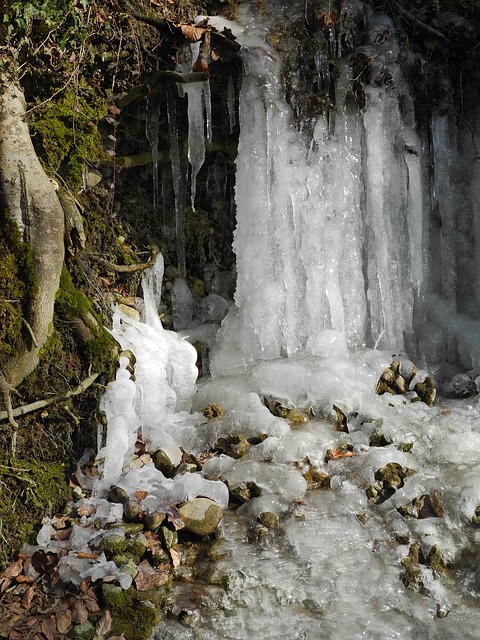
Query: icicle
196	130
152	124
207	103
231	105
179	186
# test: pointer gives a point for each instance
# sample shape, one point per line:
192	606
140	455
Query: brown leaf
79	612
49	628
141	495
64	620
90	600
191	33
29	569
149	577
4	584
86	510
28	597
104	625
176	560
12	570
200	65
24	579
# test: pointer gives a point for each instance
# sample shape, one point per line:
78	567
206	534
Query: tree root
41	404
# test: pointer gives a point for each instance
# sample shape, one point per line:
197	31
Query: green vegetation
134	614
29	491
17	286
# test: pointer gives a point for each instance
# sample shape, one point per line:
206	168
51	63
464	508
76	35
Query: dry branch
41	404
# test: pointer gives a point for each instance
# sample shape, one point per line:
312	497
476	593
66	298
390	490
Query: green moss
67	134
17	286
97	344
28	492
132	615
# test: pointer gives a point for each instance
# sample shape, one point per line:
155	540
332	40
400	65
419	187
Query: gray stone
201	516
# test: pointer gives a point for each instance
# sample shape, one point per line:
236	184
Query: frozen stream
352	253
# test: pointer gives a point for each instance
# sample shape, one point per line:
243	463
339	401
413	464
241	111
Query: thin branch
30	331
126	268
40	404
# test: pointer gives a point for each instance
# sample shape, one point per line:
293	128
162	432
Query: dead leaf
141	495
24	579
176	559
104	625
87	556
64	620
90	601
191	33
79	612
86	509
336	454
12	570
49	628
340	420
330	19
200	66
28	597
149	577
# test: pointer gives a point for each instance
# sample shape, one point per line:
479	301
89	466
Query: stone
213	411
137	545
234	446
167	461
115	544
117	495
269	519
169	537
132	511
85	631
131	312
152	521
201	516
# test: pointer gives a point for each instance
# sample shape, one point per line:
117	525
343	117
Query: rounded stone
201	516
83	631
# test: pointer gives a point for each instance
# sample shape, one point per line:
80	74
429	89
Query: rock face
201	516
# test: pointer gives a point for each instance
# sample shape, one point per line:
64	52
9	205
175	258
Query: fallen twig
126	268
40	404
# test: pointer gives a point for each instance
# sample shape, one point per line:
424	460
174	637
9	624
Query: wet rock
131	312
137	545
130	527
403	378
83	631
245	491
117	495
476	516
213	410
167	460
269	519
389	478
201	516
261	536
425	506
234	446
169	537
292	415
132	511
115	544
152	521
186	467
316	478
184	574
412	575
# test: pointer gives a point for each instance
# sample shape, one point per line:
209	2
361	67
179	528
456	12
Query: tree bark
29	197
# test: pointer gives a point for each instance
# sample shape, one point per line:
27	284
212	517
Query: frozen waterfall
351	251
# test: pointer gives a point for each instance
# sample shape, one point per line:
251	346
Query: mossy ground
17	286
29	491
